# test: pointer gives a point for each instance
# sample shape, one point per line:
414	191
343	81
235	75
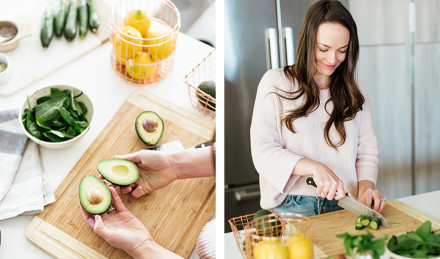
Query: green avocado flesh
151	137
94	195
118	171
207	87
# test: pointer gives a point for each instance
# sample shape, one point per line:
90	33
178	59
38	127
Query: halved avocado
149	127
94	195
118	171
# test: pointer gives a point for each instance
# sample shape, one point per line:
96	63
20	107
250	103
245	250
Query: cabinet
384	70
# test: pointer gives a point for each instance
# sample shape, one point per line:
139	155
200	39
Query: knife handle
310	181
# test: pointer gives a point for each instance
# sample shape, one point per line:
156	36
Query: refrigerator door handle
272	59
288	48
246	195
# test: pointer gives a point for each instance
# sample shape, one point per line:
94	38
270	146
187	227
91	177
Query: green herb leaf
53	137
49	109
41	121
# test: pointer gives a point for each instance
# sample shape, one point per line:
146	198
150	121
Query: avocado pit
95	195
150	124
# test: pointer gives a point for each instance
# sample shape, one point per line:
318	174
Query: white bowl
45	92
4	75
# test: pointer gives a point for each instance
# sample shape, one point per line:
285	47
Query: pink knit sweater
276	150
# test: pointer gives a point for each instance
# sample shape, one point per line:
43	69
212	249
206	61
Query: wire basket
204	71
285	235
147	56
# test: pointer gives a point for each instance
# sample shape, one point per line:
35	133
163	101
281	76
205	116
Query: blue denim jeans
307	205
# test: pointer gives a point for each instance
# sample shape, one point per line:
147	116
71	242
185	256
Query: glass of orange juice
297	235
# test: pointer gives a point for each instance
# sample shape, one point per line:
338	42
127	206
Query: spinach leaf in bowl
57	117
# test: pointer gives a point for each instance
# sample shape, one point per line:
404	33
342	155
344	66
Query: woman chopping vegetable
313	119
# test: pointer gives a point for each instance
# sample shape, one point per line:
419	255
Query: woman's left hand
119	227
371	197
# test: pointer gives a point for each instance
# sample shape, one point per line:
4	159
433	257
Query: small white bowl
4	75
45	92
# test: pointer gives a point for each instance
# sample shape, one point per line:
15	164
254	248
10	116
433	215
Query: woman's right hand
155	172
328	184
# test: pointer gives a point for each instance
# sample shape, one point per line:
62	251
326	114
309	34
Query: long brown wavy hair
344	92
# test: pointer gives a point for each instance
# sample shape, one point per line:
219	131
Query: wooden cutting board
174	215
401	218
31	62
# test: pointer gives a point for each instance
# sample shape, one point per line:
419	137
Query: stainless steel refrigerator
259	35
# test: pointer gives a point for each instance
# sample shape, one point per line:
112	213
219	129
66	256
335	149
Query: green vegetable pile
57	117
422	243
364	243
70	16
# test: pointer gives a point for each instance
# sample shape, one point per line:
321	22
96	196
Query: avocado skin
263	226
207	87
106	192
142	133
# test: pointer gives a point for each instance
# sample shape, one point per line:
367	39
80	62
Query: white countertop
422	202
92	73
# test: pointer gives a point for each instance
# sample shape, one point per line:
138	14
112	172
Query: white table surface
92	73
422	202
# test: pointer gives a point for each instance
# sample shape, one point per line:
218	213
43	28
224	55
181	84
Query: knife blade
354	206
176	145
172	146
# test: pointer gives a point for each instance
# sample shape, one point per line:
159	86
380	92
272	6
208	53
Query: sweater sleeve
272	161
367	159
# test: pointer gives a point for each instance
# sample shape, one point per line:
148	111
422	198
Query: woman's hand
123	230
155	171
328	184
119	227
370	197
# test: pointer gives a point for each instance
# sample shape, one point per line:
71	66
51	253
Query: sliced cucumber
359	226
375	223
364	220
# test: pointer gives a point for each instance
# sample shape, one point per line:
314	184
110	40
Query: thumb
133	157
100	228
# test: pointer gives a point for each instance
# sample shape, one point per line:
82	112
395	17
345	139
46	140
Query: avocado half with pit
208	87
118	171
94	195
149	127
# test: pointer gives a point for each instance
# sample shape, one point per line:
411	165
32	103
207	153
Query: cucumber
364	220
375	223
46	29
83	18
359	226
71	22
93	15
60	18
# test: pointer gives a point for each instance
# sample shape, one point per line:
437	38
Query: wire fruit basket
284	235
203	72
143	35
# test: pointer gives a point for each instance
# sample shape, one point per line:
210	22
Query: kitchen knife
354	206
172	146
176	145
